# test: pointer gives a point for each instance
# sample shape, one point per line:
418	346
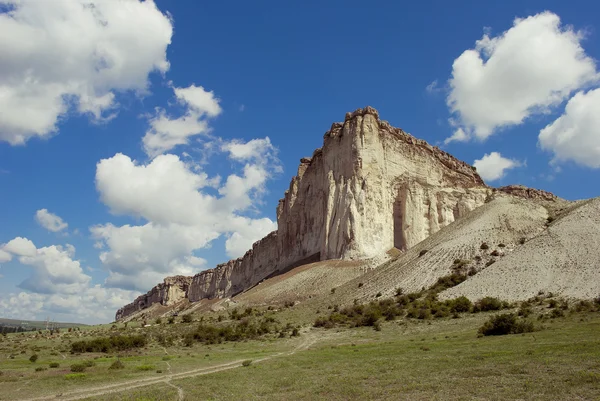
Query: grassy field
444	360
408	359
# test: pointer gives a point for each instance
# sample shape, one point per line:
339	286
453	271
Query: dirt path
79	394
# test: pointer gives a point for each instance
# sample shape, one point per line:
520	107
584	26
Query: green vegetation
75	376
33	358
247	362
54	365
78	367
443	360
506	323
109	344
423	305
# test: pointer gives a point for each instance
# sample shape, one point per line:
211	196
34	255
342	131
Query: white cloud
165	132
58	287
255	149
94	305
492	166
20	246
74	54
433	87
50	221
5	256
459	135
531	67
183	212
247	231
54	270
576	134
140	256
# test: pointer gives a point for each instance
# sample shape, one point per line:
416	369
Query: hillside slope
563	259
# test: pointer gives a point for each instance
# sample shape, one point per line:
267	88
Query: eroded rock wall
371	187
170	291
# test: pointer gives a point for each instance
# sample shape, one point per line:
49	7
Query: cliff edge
370	188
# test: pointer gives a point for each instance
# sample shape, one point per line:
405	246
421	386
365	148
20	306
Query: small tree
33	358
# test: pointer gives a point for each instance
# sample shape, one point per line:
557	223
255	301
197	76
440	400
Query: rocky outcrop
528	193
171	291
370	188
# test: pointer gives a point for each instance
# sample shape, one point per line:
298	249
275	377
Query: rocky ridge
370	188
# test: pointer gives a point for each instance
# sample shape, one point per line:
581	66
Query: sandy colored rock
370	188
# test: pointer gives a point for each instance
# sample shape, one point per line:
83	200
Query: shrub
487	304
378	295
448	282
187	318
78	367
582	306
525	311
484	246
556	313
117	365
423	252
549	220
495	253
461	304
506	323
145	368
109	344
295	332
501	245
333	290
33	358
360	285
158	320
424	314
490	262
54	365
89	363
75	376
40	369
522	240
171	320
247	362
400	291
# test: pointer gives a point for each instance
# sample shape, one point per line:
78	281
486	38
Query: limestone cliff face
371	187
170	291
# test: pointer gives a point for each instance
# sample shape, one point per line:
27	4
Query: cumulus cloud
50	221
459	135
5	256
165	133
493	166
20	246
244	234
57	286
74	55
256	149
575	135
54	270
94	305
140	256
184	209
531	67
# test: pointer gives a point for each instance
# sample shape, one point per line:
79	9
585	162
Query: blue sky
156	138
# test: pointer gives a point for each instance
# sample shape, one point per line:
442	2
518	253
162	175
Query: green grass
444	360
407	359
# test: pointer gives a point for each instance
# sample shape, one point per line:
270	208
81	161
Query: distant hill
11	325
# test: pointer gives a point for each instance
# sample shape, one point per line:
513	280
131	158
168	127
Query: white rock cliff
370	188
